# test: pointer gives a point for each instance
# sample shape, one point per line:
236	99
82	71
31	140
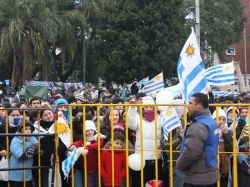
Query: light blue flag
221	75
190	68
142	82
37	83
224	93
70	161
154	85
169	121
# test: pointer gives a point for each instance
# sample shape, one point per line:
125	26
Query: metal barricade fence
23	119
84	107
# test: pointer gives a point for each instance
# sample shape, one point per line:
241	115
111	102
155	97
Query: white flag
191	71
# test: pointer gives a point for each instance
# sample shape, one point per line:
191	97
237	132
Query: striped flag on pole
220	75
169	121
69	162
142	82
154	85
191	70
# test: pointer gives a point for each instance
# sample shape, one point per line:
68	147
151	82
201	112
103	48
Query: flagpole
241	81
197	20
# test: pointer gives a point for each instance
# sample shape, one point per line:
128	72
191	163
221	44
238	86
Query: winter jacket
243	170
16	149
225	146
119	167
148	133
192	160
92	156
2	139
47	143
241	124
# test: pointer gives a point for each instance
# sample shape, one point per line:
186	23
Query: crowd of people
196	164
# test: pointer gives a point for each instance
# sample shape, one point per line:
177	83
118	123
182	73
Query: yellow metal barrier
14	133
170	152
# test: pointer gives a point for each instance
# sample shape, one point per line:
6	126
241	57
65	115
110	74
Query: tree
31	30
138	38
222	22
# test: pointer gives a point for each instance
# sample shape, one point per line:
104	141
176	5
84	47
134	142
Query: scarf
149	115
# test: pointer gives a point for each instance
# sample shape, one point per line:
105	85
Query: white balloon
164	97
134	162
179	109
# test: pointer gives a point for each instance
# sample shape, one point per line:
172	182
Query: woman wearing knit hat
148	127
90	151
47	145
225	145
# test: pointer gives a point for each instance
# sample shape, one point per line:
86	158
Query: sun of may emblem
169	113
227	68
62	128
158	78
190	50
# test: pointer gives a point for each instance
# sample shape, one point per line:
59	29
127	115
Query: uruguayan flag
142	82
169	121
154	85
80	85
176	89
224	93
191	71
221	75
69	162
37	83
40	83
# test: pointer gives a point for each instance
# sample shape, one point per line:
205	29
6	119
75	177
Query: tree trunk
14	72
45	70
83	58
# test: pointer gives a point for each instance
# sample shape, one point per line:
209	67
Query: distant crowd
29	116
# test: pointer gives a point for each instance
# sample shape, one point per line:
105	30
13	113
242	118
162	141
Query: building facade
240	52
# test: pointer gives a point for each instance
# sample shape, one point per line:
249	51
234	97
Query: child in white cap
90	151
225	144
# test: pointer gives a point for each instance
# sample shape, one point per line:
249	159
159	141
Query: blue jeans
178	178
93	180
79	178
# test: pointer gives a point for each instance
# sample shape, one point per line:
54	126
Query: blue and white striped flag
224	93
37	83
221	75
169	121
191	70
154	85
142	82
69	162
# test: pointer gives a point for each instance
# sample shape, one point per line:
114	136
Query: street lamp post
197	20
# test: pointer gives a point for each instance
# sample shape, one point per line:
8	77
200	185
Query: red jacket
92	156
119	167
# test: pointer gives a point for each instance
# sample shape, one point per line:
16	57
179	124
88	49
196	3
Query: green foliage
222	22
138	38
31	30
123	39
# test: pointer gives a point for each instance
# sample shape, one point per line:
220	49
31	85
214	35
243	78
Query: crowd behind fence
64	154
